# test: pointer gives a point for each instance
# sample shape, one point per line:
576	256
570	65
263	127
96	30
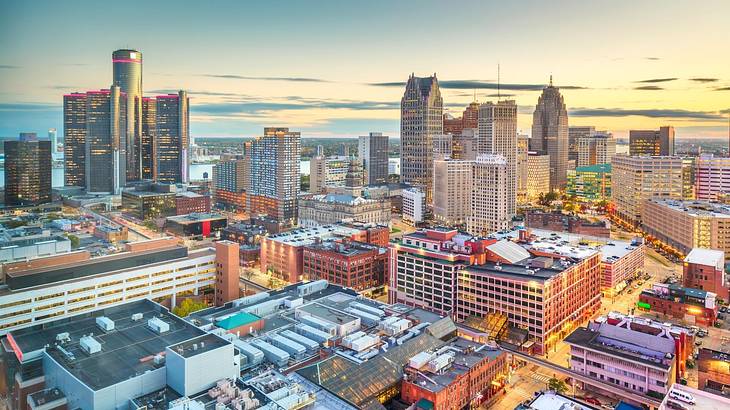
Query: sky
337	68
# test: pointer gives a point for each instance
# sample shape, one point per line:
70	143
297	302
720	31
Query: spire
551	80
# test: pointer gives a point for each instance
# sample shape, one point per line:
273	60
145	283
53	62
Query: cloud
8	67
243	77
651	113
481	85
28	106
296	103
657	80
649	88
704	80
722	89
652	58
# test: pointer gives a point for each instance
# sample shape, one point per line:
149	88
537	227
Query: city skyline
629	76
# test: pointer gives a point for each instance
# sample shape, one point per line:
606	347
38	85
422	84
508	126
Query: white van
682	396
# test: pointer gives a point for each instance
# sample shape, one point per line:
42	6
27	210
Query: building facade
275	181
685	304
147	153
27	171
538	175
452	191
413	205
74	139
705	269
634	180
491	200
498	136
172	138
230	179
372	150
652	142
355	265
712	177
590	183
328	172
127	75
328	209
550	133
421	120
523	142
106	128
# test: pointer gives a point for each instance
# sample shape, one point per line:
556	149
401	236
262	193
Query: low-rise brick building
680	303
346	263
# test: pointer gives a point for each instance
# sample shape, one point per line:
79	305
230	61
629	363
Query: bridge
630	395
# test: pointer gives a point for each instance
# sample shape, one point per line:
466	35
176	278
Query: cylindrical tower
127	74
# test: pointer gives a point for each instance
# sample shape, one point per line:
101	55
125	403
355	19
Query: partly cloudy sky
337	68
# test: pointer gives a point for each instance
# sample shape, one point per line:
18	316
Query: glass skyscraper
127	74
27	171
172	138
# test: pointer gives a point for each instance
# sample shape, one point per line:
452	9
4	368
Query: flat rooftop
519	270
195	218
344	249
327	313
696	208
706	257
126	352
306	236
198	345
549	400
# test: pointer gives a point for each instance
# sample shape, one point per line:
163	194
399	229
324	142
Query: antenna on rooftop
498	83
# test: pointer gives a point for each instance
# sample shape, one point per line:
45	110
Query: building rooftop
126	351
706	257
237	320
307	236
198	345
521	270
703	400
696	208
598	168
344	248
550	400
195	217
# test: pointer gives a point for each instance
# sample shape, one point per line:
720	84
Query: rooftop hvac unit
367	308
63	337
364	342
440	362
312	287
248	300
347	340
90	345
158	325
159	359
304	341
136	317
367	318
420	360
105	323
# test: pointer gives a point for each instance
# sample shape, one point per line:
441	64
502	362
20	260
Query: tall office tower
523	142
27	171
147	140
421	118
106	122
652	142
470	118
538	175
452	185
373	153
634	180
574	135
550	133
498	135
490	206
274	183
712	176
74	139
464	145
127	75
596	149
172	133
442	146
53	137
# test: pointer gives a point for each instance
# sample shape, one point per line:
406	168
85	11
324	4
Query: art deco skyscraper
74	139
274	182
421	118
373	153
498	135
172	135
27	171
550	133
127	74
106	126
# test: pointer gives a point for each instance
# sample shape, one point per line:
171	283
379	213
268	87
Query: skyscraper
127	74
421	119
489	196
106	126
453	184
652	142
172	134
521	166
275	182
74	139
550	133
373	153
498	135
147	140
53	137
27	171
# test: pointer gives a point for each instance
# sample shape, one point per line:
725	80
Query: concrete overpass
629	395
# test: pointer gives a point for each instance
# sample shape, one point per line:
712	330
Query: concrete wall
194	374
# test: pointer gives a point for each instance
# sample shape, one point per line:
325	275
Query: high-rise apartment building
275	181
523	142
452	180
652	142
74	139
27	171
421	120
538	175
550	133
373	153
106	126
148	164
230	178
172	133
498	136
53	137
490	196
712	177
637	179
127	75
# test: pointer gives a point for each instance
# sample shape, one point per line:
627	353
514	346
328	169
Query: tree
75	241
150	224
188	306
557	385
